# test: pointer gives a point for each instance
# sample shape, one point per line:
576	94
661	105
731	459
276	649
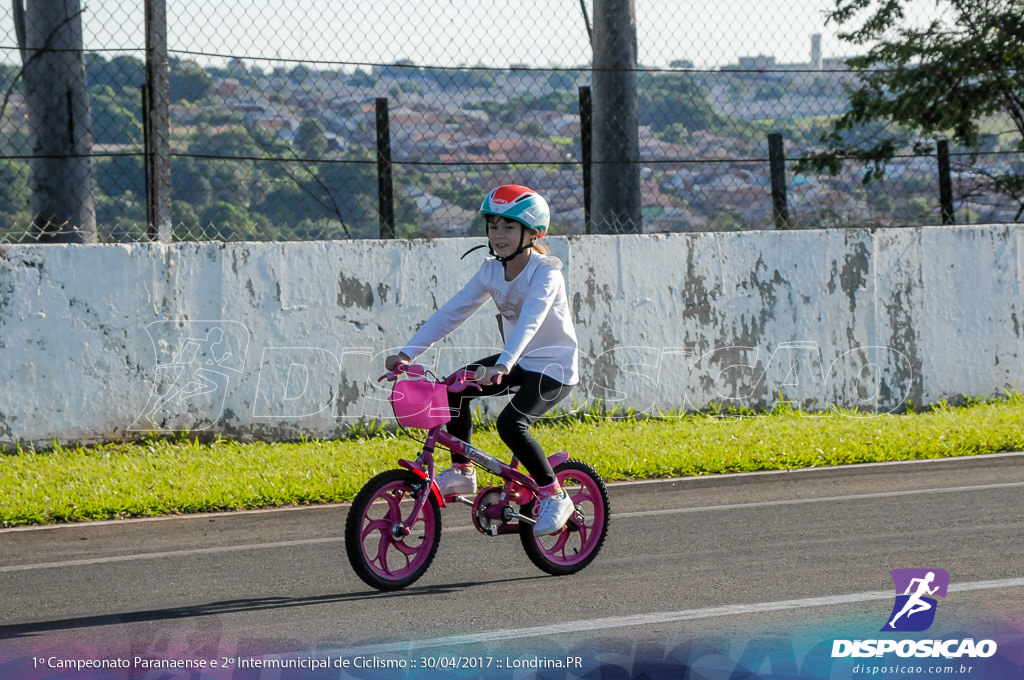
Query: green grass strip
159	477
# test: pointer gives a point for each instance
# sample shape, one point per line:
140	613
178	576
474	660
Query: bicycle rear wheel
576	546
386	553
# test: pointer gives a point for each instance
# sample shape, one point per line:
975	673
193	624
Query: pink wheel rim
388	551
572	545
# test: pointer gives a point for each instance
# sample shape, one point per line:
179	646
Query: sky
499	33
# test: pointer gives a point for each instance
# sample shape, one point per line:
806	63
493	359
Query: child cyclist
540	354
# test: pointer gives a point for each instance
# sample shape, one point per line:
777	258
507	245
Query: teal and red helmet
519	203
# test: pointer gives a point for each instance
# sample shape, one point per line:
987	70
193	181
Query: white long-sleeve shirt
534	310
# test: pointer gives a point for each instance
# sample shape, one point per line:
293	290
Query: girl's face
504	234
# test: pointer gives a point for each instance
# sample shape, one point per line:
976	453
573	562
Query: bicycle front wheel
576	546
385	550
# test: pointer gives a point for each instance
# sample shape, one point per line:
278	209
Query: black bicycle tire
354	526
536	552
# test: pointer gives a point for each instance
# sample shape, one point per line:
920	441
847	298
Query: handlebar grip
481	371
404	368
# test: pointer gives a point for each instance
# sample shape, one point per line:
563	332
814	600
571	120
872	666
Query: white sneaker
457	481
555	511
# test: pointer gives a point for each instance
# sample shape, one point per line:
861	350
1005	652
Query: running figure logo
195	364
914	610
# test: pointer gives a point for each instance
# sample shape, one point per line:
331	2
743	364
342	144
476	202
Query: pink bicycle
394	525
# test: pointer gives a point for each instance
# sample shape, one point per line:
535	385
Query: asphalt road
799	556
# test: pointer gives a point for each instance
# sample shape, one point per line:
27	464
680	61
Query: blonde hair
537	245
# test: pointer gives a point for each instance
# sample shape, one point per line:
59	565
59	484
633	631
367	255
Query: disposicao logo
913	612
914	609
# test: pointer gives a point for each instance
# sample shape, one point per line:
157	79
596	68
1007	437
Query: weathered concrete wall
274	340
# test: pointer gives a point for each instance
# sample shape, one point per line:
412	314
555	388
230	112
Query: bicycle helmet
519	203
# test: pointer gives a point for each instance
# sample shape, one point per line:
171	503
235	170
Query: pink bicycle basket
420	403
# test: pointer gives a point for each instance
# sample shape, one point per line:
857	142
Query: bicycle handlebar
481	371
456	380
412	370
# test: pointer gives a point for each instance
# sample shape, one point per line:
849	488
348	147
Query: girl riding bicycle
540	355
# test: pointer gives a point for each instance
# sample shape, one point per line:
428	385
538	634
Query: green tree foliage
348	192
217	116
188	81
119	73
233	142
933	80
232	222
674	99
121	174
466	79
231	181
286	203
361	78
114	90
9	75
115	93
310	139
770	91
300	74
336	198
514	109
189	184
14	194
677	133
116	119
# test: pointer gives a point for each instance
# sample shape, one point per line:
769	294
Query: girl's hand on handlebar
489	375
392	361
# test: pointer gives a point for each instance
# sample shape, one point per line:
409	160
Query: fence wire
273	134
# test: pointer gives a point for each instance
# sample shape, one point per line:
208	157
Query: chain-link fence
276	110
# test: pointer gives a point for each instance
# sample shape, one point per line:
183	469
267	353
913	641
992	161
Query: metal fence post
586	157
945	183
385	189
156	119
777	168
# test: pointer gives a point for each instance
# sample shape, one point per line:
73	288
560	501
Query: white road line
627	483
169	554
853	467
820	499
613	622
624	515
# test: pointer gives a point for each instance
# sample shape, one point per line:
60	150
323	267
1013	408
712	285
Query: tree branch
334	207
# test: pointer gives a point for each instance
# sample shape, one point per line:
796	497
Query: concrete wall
281	340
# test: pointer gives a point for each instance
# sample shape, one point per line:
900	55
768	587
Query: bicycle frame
518	486
393	529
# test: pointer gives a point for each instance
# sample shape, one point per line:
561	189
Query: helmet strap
487	245
505	260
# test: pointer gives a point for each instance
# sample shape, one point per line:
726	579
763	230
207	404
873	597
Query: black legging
537	394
